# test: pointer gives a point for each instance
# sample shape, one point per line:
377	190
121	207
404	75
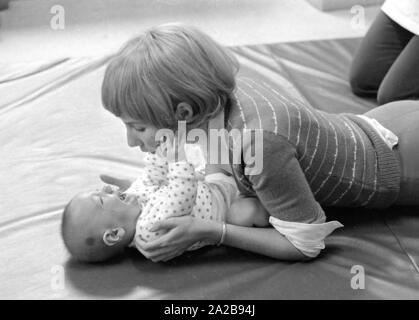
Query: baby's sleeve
156	169
151	178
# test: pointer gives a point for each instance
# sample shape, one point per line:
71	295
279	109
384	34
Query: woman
294	161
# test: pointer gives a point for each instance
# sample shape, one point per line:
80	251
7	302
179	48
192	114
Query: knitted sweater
310	158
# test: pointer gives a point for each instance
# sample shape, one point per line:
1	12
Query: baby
98	225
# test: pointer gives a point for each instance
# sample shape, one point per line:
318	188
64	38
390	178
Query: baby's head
168	66
97	226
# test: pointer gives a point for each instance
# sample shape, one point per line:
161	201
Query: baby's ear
113	236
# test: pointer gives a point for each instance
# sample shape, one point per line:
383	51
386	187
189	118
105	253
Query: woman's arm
218	168
265	241
185	231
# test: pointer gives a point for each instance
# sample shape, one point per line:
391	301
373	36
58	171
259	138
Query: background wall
95	27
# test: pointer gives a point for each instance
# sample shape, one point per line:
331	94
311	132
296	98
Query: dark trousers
386	65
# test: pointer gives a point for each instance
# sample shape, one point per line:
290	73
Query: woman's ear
184	112
112	236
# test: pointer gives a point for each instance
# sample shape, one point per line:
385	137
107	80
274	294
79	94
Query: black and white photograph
221	151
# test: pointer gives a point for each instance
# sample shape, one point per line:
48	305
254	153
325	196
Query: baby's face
101	210
91	215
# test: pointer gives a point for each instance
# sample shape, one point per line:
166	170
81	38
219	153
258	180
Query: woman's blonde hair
166	65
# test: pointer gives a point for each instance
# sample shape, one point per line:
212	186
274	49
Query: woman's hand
182	232
122	184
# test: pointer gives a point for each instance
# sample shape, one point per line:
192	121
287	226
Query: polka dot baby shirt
167	190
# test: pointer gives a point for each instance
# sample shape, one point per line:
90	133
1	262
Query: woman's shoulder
258	104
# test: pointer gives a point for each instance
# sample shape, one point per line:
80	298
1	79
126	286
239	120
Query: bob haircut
164	66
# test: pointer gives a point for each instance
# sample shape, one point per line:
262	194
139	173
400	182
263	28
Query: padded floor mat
56	139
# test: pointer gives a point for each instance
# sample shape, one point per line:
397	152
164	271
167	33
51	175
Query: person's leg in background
402	80
402	118
4	4
380	47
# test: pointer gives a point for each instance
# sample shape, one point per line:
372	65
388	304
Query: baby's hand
109	189
161	150
121	184
176	149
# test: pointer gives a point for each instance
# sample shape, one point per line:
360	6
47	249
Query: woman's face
140	134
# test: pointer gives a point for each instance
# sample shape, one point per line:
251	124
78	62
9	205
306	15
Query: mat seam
300	90
412	261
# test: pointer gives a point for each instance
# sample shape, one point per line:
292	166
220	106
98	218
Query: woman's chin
149	149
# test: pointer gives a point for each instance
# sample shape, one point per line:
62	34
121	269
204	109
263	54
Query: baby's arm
152	177
248	212
156	169
174	199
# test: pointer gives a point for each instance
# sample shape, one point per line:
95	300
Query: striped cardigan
310	158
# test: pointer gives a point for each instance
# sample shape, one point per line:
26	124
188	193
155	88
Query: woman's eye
139	129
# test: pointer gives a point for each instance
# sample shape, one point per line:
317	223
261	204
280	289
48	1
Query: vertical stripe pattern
335	153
